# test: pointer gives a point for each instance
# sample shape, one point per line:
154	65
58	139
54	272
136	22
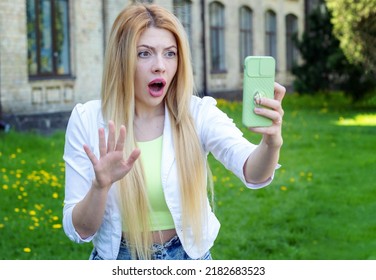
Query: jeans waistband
157	246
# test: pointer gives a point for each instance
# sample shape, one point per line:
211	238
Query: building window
217	37
271	34
183	11
245	33
291	50
48	38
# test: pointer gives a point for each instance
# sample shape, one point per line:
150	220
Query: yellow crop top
151	157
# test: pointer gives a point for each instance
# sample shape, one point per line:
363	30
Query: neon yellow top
151	157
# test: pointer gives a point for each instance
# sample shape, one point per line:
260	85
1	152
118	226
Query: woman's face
157	62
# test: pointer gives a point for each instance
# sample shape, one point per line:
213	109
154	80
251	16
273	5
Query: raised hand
111	165
272	134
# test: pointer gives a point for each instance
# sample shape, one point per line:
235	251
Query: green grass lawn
321	204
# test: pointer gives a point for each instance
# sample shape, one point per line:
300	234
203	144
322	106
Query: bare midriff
161	236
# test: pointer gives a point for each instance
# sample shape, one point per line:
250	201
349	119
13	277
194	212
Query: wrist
100	186
274	142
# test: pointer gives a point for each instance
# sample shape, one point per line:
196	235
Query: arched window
183	11
217	37
245	33
48	52
291	31
271	34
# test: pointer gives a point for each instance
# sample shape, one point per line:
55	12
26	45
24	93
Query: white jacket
218	135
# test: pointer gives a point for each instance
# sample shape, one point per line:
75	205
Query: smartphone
258	81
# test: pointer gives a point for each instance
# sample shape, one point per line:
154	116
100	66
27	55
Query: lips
156	87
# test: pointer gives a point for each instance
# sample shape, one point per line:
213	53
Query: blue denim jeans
171	250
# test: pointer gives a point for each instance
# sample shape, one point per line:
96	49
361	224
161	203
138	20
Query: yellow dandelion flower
55	195
283	188
13	156
55	218
292	179
302	174
324	110
1	225
19	150
27	250
32	213
31	228
19	197
56	226
5	187
16	210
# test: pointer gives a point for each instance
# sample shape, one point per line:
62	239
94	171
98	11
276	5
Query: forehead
153	36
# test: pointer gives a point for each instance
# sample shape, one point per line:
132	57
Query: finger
279	92
102	142
111	136
133	157
271	130
90	155
269	104
121	139
274	115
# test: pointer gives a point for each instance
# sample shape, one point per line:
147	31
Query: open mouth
156	87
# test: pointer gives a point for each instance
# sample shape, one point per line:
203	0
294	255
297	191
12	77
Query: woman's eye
143	54
170	54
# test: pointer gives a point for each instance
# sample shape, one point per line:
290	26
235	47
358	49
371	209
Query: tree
354	24
325	66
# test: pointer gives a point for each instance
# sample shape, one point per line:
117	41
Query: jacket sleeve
78	168
220	136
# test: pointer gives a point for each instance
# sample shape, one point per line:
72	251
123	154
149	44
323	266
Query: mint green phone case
259	72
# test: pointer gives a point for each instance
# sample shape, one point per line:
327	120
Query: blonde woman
136	160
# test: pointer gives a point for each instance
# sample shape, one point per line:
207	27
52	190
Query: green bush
325	67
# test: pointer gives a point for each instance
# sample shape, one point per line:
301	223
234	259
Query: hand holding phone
258	82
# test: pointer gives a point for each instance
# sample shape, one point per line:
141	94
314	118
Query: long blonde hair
118	104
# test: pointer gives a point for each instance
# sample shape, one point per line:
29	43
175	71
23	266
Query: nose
158	64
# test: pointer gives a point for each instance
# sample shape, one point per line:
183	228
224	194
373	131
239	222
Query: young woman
136	160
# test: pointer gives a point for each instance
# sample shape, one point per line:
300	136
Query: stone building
51	51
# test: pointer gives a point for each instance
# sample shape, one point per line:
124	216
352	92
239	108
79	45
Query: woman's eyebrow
153	48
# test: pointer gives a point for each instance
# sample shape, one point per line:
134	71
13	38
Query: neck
149	113
149	126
